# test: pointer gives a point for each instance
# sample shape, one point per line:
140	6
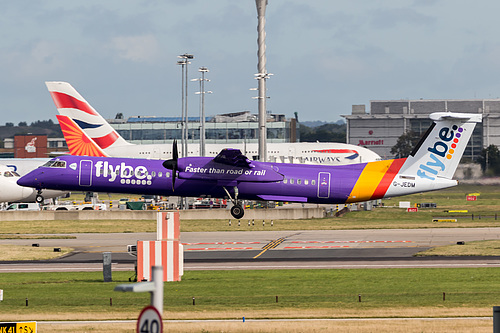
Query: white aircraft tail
438	153
71	104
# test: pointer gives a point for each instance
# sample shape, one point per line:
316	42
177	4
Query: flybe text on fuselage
122	170
441	151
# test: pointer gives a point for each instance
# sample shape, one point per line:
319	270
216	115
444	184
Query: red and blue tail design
71	104
78	142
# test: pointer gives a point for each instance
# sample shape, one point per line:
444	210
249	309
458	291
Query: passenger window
167	174
285	180
306	181
291	180
160	174
299	181
153	174
313	182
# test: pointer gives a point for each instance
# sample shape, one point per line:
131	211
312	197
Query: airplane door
324	184
85	175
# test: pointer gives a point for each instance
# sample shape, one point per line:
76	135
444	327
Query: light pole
262	76
184	62
202	93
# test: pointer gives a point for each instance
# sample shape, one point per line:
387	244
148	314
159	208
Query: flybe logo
441	151
127	174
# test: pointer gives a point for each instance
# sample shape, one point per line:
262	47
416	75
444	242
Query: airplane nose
27	180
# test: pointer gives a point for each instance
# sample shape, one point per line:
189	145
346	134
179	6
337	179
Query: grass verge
252	294
475	248
20	252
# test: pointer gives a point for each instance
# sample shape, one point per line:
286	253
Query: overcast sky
325	55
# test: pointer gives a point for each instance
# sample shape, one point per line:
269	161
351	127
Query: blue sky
325	55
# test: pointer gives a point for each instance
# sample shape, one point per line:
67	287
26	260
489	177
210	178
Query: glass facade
143	133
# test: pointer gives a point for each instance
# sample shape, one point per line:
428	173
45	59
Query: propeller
171	164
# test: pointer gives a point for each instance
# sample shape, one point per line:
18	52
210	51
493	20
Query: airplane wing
233	157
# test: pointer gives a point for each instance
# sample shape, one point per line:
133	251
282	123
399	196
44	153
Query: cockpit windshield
55	164
9	174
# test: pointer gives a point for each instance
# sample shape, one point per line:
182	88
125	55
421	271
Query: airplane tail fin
78	142
71	104
439	151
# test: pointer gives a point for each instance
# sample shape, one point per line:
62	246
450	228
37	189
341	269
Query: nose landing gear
39	198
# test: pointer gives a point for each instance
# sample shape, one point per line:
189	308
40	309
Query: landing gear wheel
237	211
39	199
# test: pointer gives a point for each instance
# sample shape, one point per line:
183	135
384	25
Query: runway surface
390	248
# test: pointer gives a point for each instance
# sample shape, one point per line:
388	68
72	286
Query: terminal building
380	127
230	128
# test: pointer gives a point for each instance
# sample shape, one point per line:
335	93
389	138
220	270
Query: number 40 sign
149	321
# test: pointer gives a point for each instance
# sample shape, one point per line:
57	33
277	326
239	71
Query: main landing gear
237	210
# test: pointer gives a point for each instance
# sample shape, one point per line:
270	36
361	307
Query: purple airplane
231	175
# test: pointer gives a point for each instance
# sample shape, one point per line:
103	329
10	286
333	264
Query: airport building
380	127
231	128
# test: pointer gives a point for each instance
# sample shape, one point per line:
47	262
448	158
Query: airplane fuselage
203	176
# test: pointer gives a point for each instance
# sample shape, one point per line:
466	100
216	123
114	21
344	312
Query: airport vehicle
231	175
69	206
123	201
10	191
31	206
88	133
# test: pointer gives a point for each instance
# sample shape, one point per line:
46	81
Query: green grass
474	248
246	290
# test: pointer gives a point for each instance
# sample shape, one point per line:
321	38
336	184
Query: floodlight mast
262	75
184	62
202	93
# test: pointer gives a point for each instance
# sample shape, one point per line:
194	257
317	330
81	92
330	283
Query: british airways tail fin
71	104
438	153
78	142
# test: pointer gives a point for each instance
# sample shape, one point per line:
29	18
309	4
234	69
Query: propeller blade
175	152
172	163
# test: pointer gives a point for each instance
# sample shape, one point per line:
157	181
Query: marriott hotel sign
370	142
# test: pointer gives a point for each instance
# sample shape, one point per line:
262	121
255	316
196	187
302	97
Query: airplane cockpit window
59	164
55	164
7	174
